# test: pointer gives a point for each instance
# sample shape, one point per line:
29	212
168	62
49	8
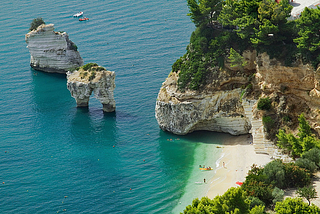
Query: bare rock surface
52	51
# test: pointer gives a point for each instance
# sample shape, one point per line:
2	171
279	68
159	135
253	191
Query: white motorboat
78	14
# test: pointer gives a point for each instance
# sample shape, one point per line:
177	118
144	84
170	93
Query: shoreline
238	156
235	161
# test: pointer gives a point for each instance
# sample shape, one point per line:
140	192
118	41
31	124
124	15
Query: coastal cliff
52	51
87	79
229	102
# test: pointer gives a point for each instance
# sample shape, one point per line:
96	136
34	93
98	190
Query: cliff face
295	89
52	51
226	106
182	113
101	83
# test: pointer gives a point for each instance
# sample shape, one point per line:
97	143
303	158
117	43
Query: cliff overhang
229	102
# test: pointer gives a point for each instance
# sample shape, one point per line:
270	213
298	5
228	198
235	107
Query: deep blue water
55	157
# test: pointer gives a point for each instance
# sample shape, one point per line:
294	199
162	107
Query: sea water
55	157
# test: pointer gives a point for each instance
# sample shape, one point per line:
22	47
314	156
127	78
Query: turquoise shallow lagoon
55	157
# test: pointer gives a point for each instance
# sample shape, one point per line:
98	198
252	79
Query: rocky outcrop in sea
82	82
52	51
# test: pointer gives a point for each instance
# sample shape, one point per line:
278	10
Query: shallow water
55	157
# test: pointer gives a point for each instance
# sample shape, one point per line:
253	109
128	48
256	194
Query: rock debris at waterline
102	84
52	51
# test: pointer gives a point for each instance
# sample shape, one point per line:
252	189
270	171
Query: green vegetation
295	205
236	60
267	123
263	187
232	201
92	75
88	66
36	23
264	104
91	70
308	193
224	29
300	145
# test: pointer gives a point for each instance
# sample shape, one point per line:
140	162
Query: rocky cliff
81	83
52	51
229	103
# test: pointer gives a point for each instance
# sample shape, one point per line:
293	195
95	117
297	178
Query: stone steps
261	144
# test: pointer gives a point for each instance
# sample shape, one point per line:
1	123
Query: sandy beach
236	159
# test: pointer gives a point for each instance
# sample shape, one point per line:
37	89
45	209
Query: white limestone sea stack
52	51
92	78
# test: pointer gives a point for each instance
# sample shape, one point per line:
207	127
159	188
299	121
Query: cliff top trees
262	25
222	25
204	12
36	23
308	39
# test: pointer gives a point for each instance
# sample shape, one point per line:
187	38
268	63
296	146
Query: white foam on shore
219	160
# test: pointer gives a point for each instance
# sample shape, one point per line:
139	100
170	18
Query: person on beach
204	180
224	165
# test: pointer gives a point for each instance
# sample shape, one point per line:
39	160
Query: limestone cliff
52	51
182	113
81	83
226	104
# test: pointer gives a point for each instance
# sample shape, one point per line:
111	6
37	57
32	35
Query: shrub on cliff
264	104
297	146
87	66
92	75
36	23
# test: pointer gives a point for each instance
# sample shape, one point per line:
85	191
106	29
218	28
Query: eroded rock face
223	107
101	83
52	51
181	113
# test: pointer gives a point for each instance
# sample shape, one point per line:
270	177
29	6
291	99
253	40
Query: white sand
238	156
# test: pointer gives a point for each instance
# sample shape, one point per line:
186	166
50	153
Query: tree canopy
204	12
295	205
236	25
36	23
297	146
232	201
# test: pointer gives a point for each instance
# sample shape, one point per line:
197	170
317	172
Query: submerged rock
52	51
82	82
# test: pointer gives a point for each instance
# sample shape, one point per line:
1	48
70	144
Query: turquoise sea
56	158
